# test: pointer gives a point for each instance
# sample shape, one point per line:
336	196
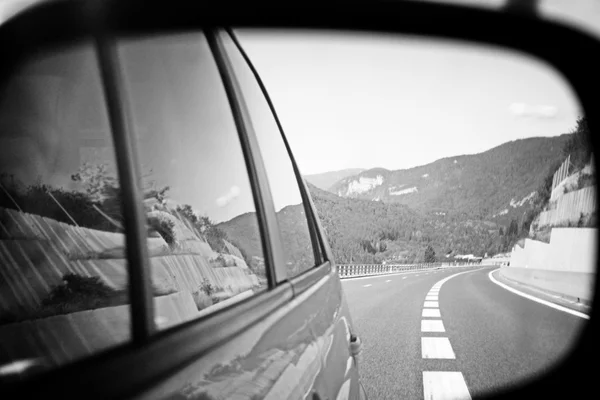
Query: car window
63	267
203	237
289	207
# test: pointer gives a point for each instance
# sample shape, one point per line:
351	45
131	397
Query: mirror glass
421	156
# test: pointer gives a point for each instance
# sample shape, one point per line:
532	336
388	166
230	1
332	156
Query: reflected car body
294	340
297	352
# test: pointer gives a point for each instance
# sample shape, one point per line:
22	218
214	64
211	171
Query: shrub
581	220
585	180
579	146
243	252
592	220
207	287
215	237
78	293
202	300
61	205
221	260
165	228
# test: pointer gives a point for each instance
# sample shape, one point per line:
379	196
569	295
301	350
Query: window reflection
63	269
289	207
203	239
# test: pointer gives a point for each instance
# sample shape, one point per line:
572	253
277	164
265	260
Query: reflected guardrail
356	270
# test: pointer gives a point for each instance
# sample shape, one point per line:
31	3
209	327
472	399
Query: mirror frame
566	49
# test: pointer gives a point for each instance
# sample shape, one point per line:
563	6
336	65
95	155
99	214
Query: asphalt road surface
425	336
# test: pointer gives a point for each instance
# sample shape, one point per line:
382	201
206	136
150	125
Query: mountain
498	184
243	232
469	204
326	179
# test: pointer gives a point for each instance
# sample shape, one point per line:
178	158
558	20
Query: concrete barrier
569	250
575	285
566	265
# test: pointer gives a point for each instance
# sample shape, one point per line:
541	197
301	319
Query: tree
429	254
513	228
578	146
187	212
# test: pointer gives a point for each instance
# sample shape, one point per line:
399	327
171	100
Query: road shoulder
546	295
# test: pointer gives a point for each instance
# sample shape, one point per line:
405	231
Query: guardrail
356	270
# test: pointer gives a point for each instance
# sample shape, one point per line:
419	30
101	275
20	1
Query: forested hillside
497	184
370	231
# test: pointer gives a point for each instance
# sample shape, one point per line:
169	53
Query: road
484	338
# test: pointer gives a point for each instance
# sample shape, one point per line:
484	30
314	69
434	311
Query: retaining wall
566	265
569	250
569	207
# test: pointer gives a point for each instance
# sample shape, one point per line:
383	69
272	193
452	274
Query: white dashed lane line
437	347
367	285
389	280
432	325
444	385
431	313
439	385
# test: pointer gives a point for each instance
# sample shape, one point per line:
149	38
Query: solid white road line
367	285
431	304
533	298
445	385
431	297
436	347
440	283
432	325
431	313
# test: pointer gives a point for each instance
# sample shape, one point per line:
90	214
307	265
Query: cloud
228	197
535	111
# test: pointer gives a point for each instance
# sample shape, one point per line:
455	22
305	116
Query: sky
365	101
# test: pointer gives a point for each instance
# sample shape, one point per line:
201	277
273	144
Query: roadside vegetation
579	148
75	293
